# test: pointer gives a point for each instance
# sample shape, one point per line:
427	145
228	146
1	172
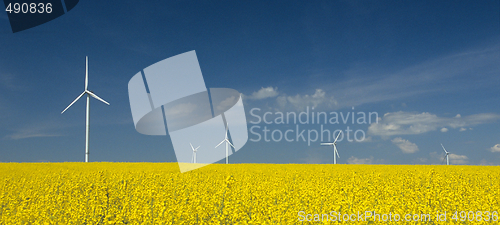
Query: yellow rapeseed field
157	193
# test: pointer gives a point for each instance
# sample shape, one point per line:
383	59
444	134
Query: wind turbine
88	93
446	156
334	144
193	158
227	143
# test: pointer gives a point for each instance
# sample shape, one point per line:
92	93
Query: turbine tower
227	143
334	144
88	93
193	158
446	156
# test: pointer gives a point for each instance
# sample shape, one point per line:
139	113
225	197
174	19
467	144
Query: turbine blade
227	129
444	149
442	162
337	137
73	102
96	97
335	149
220	143
86	72
196	149
191	146
230	143
326	143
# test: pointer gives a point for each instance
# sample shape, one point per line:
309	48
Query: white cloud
422	160
300	102
370	85
401	123
462	129
367	139
444	129
281	100
263	93
29	134
354	160
297	102
181	109
439	158
485	162
495	148
405	145
44	129
458	159
227	103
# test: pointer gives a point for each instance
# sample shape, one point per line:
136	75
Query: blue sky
429	69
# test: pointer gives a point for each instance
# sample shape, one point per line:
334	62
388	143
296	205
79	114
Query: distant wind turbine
193	158
334	144
446	156
88	93
227	143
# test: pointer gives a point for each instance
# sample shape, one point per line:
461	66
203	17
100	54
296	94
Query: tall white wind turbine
88	93
227	143
446	156
334	144
193	158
